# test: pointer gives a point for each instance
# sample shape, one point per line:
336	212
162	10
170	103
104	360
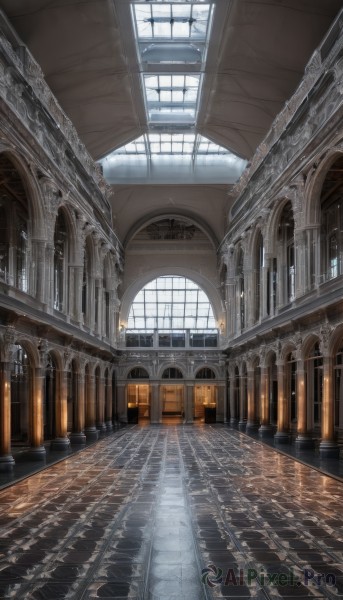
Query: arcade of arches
271	360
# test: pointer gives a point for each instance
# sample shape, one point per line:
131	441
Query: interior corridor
173	513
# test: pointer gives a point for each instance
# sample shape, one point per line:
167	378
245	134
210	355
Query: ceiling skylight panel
172	21
137	146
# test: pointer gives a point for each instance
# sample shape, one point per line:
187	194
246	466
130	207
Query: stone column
37	449
121	402
328	447
220	402
100	417
189	403
252	425
265	428
108	404
303	439
282	434
61	442
232	396
91	431
78	436
156	405
242	403
6	458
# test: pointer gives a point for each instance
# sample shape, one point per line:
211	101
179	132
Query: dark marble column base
282	437
62	443
329	449
37	453
7	463
242	425
109	426
304	442
78	438
101	427
265	431
92	434
251	427
233	422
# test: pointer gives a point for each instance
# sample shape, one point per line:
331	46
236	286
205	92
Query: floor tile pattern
173	513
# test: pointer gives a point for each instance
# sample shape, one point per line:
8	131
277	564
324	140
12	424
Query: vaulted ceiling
256	57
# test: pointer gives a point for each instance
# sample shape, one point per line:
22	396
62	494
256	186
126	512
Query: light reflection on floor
173	513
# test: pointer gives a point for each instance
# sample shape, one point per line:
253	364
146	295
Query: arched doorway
205	394
172	396
138	396
21	383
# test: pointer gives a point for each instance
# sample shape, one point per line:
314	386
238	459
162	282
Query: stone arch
274	220
308	342
37	228
315	184
336	339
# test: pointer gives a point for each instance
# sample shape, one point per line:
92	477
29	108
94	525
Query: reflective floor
173	513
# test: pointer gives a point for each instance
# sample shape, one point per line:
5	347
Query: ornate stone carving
325	334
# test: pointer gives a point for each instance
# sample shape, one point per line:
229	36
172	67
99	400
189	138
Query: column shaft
282	434
37	450
6	458
328	447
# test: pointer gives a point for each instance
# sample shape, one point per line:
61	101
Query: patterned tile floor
173	513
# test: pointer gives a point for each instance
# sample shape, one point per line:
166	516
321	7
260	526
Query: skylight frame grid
156	145
173	93
165	18
173	315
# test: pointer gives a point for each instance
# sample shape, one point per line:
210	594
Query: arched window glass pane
22	266
171	302
138	373
172	373
4	246
332	222
60	251
205	373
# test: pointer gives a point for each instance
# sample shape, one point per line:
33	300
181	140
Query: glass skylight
167	21
171	94
172	143
171	302
171	43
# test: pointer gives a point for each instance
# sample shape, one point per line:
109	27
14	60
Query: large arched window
240	289
259	261
14	219
4	242
332	222
171	305
88	294
22	275
60	260
286	255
